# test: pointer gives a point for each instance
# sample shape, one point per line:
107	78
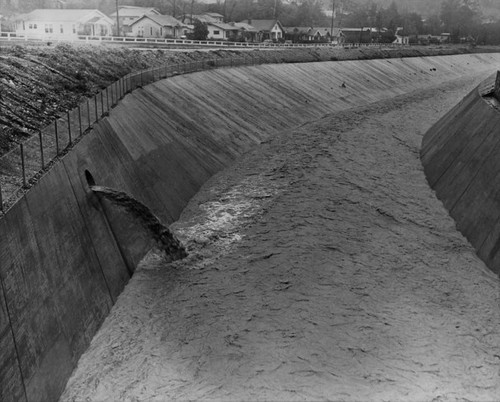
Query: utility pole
333	18
117	20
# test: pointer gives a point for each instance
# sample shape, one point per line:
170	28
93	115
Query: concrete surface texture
321	265
460	156
66	256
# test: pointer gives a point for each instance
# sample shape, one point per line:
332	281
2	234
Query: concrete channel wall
460	154
65	256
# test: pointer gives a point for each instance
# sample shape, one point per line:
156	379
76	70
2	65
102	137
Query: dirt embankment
39	83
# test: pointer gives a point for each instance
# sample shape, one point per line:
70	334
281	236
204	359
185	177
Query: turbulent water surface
321	267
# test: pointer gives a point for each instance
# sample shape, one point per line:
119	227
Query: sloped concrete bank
66	256
460	157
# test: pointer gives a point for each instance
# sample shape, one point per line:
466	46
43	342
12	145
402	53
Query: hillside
427	8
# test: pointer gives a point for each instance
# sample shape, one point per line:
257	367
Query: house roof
202	18
323	31
355	29
163	20
214	15
208	17
245	27
224	26
299	30
130	11
263	25
63	15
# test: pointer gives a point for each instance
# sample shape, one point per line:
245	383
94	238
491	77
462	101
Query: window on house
61	29
74	28
30	26
216	32
35	26
151	31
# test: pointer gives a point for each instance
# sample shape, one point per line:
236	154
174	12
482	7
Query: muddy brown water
321	267
166	240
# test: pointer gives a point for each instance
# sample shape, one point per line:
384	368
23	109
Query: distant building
64	23
299	34
312	34
267	29
247	32
326	34
128	14
220	30
158	26
206	18
357	35
401	37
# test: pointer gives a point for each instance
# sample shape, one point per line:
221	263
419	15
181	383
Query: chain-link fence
21	167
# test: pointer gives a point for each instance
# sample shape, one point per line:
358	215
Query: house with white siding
158	26
267	29
222	31
128	14
67	23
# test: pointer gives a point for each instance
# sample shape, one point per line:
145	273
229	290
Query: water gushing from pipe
161	234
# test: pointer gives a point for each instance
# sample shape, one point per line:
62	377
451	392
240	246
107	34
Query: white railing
12	36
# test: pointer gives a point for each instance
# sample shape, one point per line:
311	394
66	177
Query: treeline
462	19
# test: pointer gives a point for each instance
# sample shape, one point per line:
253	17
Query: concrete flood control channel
160	145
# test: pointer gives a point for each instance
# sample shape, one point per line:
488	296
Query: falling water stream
161	234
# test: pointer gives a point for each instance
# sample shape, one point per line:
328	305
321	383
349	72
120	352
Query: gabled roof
224	26
214	15
263	25
245	27
202	18
66	15
298	30
323	31
208	17
365	29
162	20
130	11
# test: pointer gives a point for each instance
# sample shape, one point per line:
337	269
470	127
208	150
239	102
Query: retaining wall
65	256
460	155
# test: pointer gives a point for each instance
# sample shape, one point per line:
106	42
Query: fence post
80	120
69	128
96	112
57	137
22	164
41	148
88	113
1	200
102	103
107	98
